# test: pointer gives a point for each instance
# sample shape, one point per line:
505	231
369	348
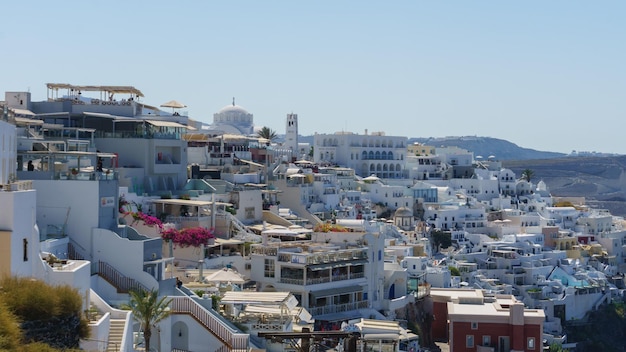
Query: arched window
390	156
364	157
377	156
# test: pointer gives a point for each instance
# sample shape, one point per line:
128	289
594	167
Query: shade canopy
174	104
372	177
225	275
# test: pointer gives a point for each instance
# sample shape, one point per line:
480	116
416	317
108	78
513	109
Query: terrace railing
232	339
122	283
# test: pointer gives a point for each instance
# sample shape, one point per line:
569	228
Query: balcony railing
321	280
338	308
291	281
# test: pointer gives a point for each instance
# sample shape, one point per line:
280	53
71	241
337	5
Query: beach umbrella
174	104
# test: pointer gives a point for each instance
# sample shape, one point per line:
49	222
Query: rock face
601	180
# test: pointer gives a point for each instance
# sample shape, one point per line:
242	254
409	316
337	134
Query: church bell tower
291	135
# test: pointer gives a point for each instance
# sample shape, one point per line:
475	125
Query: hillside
486	146
603	330
602	180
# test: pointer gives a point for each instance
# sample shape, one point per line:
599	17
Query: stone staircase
115	335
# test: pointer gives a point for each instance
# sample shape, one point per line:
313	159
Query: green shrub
47	314
454	271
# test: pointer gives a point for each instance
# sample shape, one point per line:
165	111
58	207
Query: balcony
87	175
338	308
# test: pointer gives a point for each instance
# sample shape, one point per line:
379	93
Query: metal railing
337	308
233	341
122	283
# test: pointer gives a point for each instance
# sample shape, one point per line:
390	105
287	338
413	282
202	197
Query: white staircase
115	335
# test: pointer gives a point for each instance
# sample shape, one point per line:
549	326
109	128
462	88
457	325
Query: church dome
238	118
233	108
403	212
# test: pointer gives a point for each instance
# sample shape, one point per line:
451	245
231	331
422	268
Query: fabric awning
381	337
22	112
191	202
27	121
109	116
317	267
165	123
337	291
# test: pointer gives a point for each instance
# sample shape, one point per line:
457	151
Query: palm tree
527	174
267	133
148	310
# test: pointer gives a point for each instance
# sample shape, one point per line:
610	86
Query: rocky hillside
486	146
601	180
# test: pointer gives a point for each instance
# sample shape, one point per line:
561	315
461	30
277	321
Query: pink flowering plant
149	220
191	236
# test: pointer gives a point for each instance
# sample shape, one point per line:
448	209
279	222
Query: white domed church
233	119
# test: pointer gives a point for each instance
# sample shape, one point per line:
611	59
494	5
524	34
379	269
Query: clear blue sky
547	75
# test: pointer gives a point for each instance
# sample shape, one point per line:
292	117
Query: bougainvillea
149	220
192	236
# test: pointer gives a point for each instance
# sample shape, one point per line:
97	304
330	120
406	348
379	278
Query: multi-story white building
376	153
334	276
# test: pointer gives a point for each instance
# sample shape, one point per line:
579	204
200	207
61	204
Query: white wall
17	214
81	198
76	274
250	199
193	337
8	151
123	254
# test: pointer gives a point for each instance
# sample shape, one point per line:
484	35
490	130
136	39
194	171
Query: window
474	326
269	268
25	244
486	340
469	341
249	212
531	343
